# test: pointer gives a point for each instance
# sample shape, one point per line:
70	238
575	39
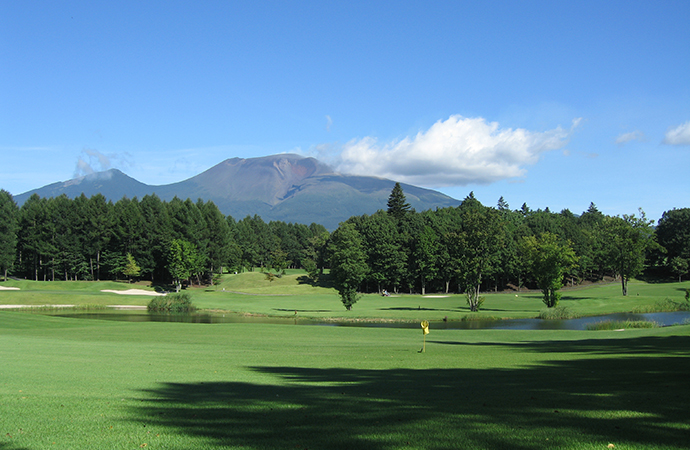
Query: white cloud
329	122
632	136
457	151
679	135
92	161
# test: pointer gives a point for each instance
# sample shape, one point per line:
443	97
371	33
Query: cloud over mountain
92	161
457	151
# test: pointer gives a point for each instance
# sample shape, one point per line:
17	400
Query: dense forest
471	248
95	239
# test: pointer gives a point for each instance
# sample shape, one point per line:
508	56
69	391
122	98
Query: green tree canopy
348	262
673	234
131	268
9	216
476	246
625	241
183	260
548	260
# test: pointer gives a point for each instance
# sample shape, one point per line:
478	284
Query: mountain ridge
285	187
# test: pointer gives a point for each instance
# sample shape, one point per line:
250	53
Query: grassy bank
83	384
70	293
252	293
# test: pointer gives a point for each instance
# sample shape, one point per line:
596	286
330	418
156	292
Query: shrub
666	305
172	303
557	313
617	325
478	302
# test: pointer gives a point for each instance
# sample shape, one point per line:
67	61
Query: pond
663	319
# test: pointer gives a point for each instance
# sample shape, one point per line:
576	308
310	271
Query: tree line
475	248
471	248
176	241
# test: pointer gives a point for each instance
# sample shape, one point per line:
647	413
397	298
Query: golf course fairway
69	383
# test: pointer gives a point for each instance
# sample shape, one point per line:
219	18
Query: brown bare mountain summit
285	187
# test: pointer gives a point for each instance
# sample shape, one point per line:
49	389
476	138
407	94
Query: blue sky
553	104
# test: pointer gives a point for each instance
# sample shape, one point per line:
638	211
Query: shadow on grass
635	395
163	287
573	298
6	446
323	281
303	310
401	308
465	309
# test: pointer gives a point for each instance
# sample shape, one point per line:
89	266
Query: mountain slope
285	187
112	183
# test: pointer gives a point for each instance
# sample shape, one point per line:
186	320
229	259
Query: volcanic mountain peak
285	187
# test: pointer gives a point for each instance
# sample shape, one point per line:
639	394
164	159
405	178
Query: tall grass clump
618	325
476	318
172	303
665	305
557	313
59	308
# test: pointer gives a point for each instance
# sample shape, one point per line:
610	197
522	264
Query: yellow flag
425	327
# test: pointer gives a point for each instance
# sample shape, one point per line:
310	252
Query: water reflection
663	319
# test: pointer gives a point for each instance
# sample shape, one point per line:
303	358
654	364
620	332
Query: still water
663	319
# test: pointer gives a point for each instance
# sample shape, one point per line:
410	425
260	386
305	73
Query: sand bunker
3	288
436	296
132	292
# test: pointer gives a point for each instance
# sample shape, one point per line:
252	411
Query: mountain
285	187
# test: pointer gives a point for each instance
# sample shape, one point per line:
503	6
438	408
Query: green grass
70	293
287	295
84	384
252	293
663	305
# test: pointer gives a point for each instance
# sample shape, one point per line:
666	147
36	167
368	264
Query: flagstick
425	331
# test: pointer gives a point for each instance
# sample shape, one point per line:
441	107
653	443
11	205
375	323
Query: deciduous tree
476	246
182	261
348	263
131	268
548	260
625	242
679	266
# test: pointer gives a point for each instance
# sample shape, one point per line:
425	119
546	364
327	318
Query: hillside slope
285	187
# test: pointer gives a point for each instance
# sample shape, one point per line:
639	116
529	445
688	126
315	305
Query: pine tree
397	204
9	214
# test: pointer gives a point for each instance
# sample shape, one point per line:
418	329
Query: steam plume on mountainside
92	162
